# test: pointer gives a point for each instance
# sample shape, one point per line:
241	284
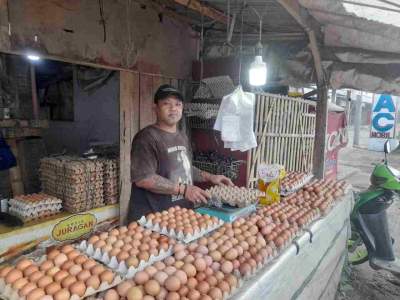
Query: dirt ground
362	282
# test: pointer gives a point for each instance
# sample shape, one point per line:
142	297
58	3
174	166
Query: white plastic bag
235	120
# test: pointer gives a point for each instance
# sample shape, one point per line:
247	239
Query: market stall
288	249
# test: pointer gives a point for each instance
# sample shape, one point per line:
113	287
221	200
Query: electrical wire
102	20
241	46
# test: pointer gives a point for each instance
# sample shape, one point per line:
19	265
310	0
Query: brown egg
60	275
134	293
192	283
83	275
215	293
93	281
67	281
53	254
34	277
5	270
90	263
60	259
80	260
75	270
97	270
141	277
93	239
73	254
35	294
77	288
23	264
52	271
67	249
227	267
173	296
52	288
172	284
44	281
19	283
224	286
62	294
200	264
107	276
67	265
123	288
27	288
111	295
182	276
132	261
13	276
152	287
30	270
203	287
193	294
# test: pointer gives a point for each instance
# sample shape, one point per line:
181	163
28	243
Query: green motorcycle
371	238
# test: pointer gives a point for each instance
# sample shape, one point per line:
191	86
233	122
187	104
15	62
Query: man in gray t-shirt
161	168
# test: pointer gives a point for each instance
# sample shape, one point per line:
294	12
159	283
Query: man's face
169	110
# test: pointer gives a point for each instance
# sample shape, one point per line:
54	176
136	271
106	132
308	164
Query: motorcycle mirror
386	147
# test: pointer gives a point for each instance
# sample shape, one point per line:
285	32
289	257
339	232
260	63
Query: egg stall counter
294	248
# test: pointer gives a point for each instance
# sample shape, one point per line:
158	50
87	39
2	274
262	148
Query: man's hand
196	195
220	180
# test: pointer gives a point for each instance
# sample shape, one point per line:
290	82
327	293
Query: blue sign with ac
383	117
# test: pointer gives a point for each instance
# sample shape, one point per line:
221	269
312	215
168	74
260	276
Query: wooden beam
206	11
294	9
129	125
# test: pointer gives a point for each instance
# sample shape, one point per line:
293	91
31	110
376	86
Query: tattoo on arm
199	175
159	185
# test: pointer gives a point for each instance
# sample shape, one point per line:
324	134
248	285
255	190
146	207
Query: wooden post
348	107
35	103
129	125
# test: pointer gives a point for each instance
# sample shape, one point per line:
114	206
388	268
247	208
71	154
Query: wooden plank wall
136	112
285	129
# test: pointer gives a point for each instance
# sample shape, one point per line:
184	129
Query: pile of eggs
64	273
234	247
131	244
235	196
182	276
181	220
319	194
293	180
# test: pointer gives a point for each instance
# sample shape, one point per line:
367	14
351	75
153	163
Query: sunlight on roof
383	15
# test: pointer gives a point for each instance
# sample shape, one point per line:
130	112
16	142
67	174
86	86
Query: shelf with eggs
128	249
62	274
181	223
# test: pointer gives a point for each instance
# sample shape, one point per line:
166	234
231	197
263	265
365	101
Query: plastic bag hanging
235	120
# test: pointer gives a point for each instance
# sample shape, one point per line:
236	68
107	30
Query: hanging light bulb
32	53
258	68
258	71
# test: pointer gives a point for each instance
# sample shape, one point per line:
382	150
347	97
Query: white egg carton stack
187	238
30	207
301	183
120	266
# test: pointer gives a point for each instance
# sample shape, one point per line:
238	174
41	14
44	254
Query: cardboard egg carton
285	191
121	266
187	238
110	180
75	180
235	196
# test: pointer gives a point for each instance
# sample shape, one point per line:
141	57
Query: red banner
337	138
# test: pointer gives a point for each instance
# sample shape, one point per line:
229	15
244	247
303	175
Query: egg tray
121	267
8	293
180	235
300	184
235	196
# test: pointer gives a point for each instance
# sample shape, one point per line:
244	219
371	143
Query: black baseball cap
165	91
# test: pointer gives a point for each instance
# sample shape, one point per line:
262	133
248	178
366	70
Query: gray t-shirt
155	151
